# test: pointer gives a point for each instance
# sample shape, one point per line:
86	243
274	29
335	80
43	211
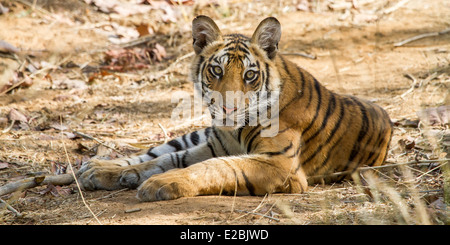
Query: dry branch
10	208
171	66
395	7
421	36
412	86
309	56
259	214
63	179
98	141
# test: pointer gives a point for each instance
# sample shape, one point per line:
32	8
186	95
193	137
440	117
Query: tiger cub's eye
216	70
250	75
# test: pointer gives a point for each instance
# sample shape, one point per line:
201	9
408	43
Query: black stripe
207	132
297	151
310	89
140	159
162	169
266	82
285	65
250	142
325	161
197	70
302	78
330	110
183	159
380	138
250	133
361	134
240	134
248	184
173	161
378	144
195	138
178	160
211	148
373	114
244	50
186	144
276	153
333	132
175	144
150	153
203	67
217	134
319	99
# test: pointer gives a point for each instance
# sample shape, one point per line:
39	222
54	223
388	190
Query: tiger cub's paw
166	186
107	175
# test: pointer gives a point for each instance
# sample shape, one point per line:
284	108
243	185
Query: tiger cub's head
236	75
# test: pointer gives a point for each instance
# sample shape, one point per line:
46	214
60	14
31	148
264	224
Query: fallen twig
171	66
421	36
109	195
63	179
259	214
412	86
6	130
133	210
10	208
98	141
166	137
395	7
309	56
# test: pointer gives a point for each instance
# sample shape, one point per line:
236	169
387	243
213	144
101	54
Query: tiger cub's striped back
317	132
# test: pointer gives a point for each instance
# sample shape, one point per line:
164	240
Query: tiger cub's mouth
229	117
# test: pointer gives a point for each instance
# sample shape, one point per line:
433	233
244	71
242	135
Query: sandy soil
355	54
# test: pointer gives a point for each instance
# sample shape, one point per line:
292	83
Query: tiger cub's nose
229	110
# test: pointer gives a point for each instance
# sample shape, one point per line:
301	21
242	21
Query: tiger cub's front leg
243	175
132	171
272	167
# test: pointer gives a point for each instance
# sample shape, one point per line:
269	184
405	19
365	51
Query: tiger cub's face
236	74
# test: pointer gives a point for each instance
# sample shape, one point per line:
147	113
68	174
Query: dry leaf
15	115
46	137
144	30
6	47
59	126
340	6
436	116
3	10
304	6
123	59
122	8
56	190
18	79
4	165
69	84
407	144
368	18
407	123
178	2
58	168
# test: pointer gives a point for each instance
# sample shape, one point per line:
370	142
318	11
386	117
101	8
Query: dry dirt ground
68	88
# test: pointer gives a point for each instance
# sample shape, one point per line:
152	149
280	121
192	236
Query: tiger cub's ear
204	32
267	36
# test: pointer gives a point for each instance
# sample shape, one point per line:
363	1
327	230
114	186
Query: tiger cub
318	132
